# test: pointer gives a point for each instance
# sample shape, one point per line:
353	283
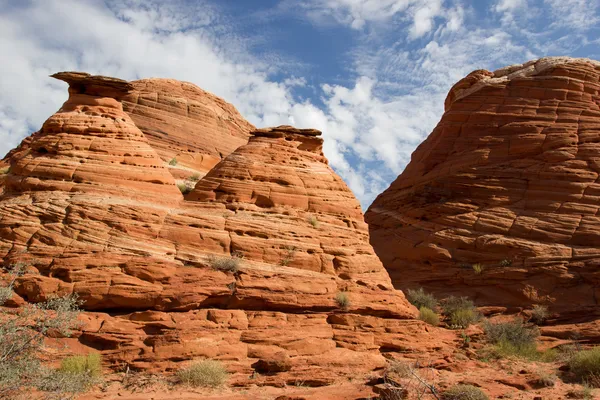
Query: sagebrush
429	316
22	335
419	298
206	373
464	392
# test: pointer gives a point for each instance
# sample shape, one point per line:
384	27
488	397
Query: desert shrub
462	318
4	170
429	316
419	298
478	268
184	188
173	161
461	311
506	263
539	314
313	221
206	373
546	379
585	365
513	339
89	365
342	299
288	257
22	334
464	392
226	264
195	178
513	332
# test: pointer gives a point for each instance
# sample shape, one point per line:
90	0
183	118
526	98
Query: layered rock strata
91	208
501	201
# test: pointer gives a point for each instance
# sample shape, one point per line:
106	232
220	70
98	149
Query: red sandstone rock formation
508	181
91	208
185	123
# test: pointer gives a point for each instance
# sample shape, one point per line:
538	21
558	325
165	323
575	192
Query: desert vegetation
464	392
460	311
22	334
342	299
429	316
205	373
225	264
419	298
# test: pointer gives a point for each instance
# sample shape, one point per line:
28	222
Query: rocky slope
91	208
264	264
501	202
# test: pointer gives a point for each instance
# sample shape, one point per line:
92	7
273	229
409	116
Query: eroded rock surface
501	202
91	208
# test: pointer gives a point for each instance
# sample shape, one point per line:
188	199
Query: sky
372	75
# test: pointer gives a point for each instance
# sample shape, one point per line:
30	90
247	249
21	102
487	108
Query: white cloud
509	5
356	14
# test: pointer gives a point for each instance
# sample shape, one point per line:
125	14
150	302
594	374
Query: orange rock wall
507	181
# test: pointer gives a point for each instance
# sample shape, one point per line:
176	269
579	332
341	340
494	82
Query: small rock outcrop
501	202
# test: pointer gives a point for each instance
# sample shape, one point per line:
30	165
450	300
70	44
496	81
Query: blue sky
371	74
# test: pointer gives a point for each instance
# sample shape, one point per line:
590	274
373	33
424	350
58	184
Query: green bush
585	364
464	392
461	311
206	373
225	264
419	298
89	365
462	318
342	300
313	221
514	332
506	263
173	161
478	268
195	178
22	334
184	188
429	316
539	314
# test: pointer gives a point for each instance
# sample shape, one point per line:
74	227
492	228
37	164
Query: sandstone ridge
91	207
501	201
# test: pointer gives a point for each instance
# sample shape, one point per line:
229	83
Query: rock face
187	126
245	269
501	202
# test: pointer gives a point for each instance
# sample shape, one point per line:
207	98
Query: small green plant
546	379
512	339
478	268
289	256
4	170
585	365
342	300
461	312
173	161
514	332
184	188
206	373
313	221
429	316
419	298
506	263
90	365
464	392
585	393
22	339
225	264
539	314
195	178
